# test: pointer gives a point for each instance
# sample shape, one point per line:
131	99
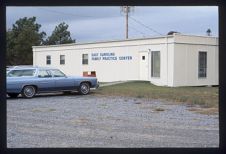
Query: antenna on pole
127	10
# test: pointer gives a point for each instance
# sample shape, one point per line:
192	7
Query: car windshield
19	73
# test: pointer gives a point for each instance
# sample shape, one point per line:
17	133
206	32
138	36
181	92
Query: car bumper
97	85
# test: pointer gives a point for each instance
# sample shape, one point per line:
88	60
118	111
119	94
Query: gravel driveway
94	121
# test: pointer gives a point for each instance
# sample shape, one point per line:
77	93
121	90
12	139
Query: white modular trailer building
172	60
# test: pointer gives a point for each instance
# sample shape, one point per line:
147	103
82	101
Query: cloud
185	19
53	14
106	23
100	29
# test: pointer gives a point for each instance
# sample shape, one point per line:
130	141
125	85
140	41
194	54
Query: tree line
25	33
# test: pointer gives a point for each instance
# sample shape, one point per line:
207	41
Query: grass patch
208	111
43	110
206	97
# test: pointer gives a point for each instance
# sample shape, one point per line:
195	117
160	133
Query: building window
84	59
202	64
155	64
62	59
143	57
48	60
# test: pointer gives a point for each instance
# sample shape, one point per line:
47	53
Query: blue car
28	81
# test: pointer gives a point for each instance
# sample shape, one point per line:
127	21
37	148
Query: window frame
202	75
153	74
62	60
48	59
54	74
47	76
21	73
85	61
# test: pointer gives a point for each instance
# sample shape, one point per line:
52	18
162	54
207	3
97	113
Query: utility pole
127	16
127	10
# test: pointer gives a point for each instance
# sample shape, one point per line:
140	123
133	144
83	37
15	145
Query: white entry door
144	66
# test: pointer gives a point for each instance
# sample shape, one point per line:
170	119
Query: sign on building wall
108	56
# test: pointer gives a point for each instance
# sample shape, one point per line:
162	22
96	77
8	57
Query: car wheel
84	88
13	95
28	91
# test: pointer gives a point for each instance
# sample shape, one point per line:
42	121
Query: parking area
57	120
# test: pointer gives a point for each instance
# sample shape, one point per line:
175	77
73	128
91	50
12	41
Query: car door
62	82
45	81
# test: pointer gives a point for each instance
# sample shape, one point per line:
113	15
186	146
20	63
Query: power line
137	31
145	25
70	14
125	9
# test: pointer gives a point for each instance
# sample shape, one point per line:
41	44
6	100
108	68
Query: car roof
27	67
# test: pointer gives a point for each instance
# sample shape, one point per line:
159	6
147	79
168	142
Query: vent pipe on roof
172	32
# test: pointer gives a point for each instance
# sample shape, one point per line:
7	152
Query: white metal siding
178	59
186	61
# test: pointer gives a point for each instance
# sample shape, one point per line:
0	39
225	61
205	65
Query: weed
51	110
43	110
159	109
140	96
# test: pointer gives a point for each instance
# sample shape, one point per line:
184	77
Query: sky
105	23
